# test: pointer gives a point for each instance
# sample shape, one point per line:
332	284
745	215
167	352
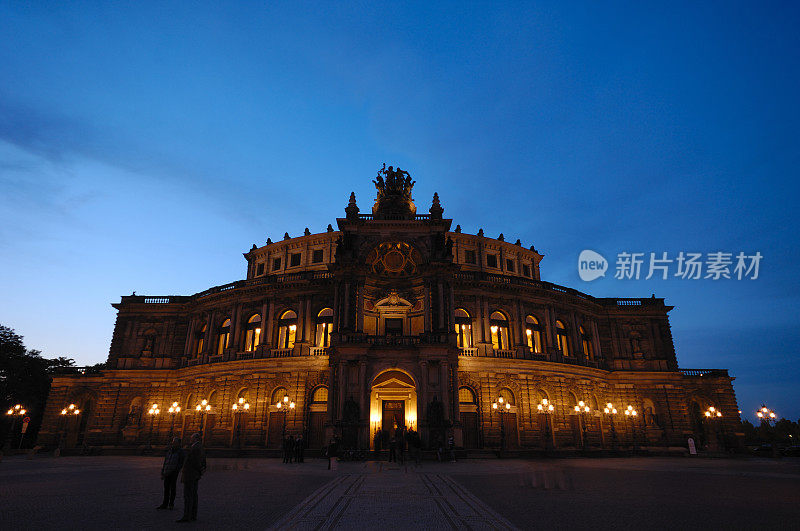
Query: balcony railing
469	351
319	351
502	353
710	373
495	278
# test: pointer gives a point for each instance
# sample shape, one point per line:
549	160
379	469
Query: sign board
25	422
692	449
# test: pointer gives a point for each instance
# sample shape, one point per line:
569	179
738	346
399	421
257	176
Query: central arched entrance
393	403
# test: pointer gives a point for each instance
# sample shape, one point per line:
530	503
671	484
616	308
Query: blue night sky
145	146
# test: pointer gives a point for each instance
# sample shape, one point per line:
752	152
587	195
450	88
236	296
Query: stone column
444	384
269	325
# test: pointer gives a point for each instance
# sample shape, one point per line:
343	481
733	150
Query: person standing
393	448
298	449
173	462
193	469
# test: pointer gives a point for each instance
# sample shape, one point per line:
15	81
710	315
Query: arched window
586	344
324	327
224	336
507	395
320	395
533	334
466	396
463	328
287	329
498	324
278	395
200	338
562	338
252	337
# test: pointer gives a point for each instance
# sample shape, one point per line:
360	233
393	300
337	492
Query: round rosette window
394	259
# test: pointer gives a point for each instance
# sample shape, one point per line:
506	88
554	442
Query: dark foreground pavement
633	493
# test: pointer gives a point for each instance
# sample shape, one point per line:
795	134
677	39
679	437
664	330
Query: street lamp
610	411
502	406
546	408
70	411
631	414
242	406
712	414
153	412
173	411
15	412
203	408
582	409
286	405
766	415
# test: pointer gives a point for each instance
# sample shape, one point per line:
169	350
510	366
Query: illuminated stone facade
393	319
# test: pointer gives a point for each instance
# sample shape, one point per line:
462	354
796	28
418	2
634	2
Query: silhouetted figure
401	444
377	442
288	449
451	448
414	445
193	469
393	448
333	449
173	462
298	449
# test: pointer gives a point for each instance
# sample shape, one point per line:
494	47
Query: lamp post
631	414
70	411
15	412
767	417
582	409
502	406
242	406
546	408
173	411
286	405
610	411
203	408
711	415
153	412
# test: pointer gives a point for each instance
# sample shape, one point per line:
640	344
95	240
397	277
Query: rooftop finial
352	208
436	208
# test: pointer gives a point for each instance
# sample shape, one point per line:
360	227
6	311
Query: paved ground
635	493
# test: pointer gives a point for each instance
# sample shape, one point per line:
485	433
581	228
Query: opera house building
392	320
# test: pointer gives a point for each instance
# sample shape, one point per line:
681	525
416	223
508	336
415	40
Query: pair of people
192	464
293	449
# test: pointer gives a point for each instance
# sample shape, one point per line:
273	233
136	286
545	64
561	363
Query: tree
25	378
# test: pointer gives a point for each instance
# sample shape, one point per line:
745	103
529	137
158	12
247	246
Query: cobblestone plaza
654	493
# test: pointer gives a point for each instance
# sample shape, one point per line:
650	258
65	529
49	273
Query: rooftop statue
394	194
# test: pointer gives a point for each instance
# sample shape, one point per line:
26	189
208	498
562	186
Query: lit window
320	395
463	328
466	396
224	336
507	395
200	338
586	343
562	338
499	328
253	334
324	327
287	329
533	334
